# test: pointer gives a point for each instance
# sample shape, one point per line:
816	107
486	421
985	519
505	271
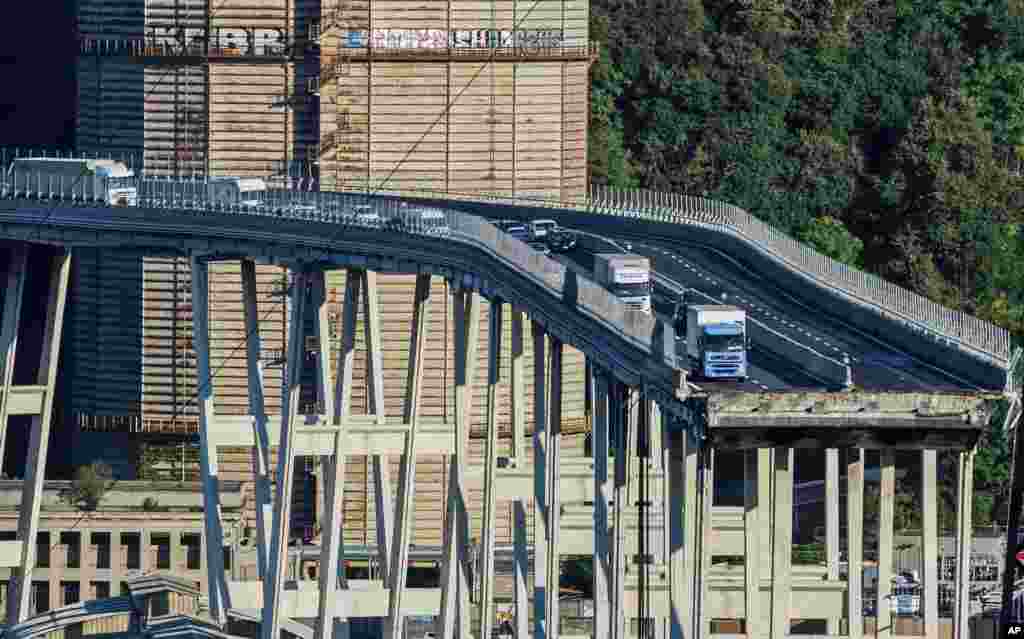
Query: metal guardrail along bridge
654	558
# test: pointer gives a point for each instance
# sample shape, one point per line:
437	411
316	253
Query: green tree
830	237
90	486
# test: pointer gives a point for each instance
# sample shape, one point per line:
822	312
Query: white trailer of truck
75	178
235	190
716	340
627	277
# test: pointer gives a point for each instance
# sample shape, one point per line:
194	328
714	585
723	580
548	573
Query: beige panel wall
174	112
511	128
246	136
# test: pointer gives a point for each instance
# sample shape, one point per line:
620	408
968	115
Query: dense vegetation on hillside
887	134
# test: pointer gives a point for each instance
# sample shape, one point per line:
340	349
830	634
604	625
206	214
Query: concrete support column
407	477
520	551
691	536
179	552
677	503
271	622
455	583
707	496
620	412
540	503
964	523
257	408
39	439
782	543
218	591
751	532
486	603
17	273
116	567
381	468
553	492
929	543
886	522
598	381
832	551
332	542
321	328
855	542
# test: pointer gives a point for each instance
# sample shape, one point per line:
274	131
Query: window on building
100	589
947	568
123	587
100	542
193	546
162	542
43	550
227	558
70	592
40	597
72	541
161	604
131	547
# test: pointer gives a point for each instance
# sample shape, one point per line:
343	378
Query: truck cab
627	277
540	229
716	340
236	191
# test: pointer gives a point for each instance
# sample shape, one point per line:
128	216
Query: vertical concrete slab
677	503
213	532
16	274
407	484
751	564
706	543
257	408
486	604
621	413
832	551
381	469
540	471
766	514
39	440
332	538
553	492
782	544
691	535
930	543
455	583
965	497
855	541
886	523
321	328
271	618
602	496
520	552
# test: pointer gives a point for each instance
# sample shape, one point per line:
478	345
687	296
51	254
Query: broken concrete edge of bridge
973	366
855	419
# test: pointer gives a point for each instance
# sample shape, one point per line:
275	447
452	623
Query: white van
540	228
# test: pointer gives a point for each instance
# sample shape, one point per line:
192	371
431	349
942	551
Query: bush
89	486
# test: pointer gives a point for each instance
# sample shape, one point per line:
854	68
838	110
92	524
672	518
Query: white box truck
235	190
627	277
716	341
68	178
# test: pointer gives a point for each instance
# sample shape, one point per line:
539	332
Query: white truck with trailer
75	178
232	191
627	277
716	341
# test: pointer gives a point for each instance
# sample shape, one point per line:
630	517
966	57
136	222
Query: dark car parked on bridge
560	240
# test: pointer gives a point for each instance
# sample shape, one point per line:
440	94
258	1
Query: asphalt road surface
876	365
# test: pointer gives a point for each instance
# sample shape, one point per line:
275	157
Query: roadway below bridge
875	364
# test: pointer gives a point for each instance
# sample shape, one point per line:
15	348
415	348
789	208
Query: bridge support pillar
407	476
855	542
832	525
965	505
217	590
929	543
520	552
541	448
257	408
39	435
707	496
782	543
598	380
455	584
751	533
271	623
486	602
16	276
886	525
620	413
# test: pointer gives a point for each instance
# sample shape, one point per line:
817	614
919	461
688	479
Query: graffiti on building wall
440	39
